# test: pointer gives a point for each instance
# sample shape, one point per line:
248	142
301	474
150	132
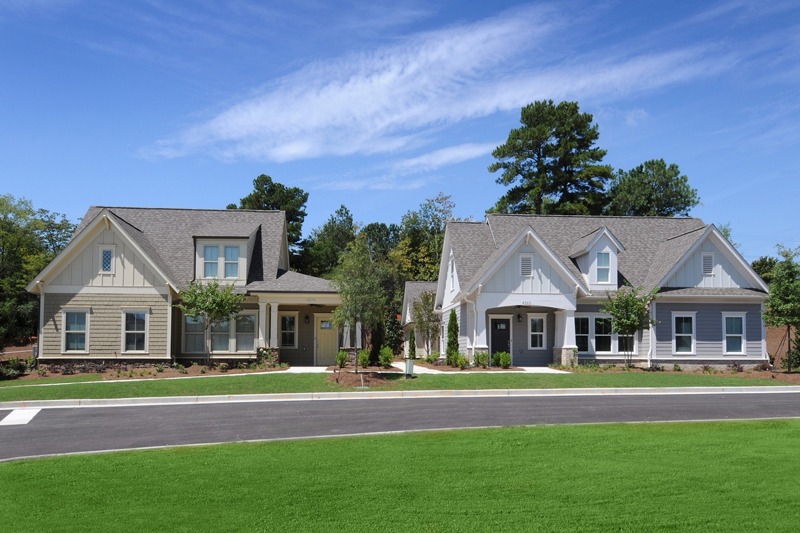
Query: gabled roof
167	237
649	247
413	290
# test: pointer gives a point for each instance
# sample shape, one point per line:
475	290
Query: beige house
110	293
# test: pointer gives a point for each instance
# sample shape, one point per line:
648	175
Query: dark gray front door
501	335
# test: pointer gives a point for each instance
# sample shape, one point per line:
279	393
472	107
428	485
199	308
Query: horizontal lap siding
105	323
522	356
708	329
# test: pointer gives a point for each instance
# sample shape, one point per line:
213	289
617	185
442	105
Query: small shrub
159	367
676	367
223	367
385	357
735	367
181	369
482	359
708	369
341	359
461	361
203	370
363	358
762	366
42	371
30	362
655	367
501	359
607	366
432	357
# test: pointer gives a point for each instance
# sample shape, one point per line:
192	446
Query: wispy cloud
387	100
443	157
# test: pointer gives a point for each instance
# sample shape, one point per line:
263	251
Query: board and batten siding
543	279
130	269
708	329
105	324
690	274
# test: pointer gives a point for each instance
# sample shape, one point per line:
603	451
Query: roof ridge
664	217
687	233
197	209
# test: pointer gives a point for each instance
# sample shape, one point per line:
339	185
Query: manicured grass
734	476
279	382
77	378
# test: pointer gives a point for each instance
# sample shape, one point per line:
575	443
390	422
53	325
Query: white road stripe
19	417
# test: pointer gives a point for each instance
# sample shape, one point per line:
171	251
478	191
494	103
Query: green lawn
733	476
281	382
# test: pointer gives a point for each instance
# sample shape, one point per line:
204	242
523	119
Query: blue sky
379	105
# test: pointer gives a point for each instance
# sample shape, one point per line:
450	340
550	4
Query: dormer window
603	267
220	260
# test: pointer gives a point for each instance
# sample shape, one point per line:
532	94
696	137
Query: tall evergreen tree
321	251
551	162
651	189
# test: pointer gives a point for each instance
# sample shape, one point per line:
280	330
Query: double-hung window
602	335
134	323
220	336
76	331
229	336
582	333
683	333
211	261
288	329
220	260
733	333
603	267
231	261
245	332
537	337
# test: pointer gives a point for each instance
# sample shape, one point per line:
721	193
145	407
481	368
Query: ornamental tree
212	303
630	312
426	319
452	338
783	302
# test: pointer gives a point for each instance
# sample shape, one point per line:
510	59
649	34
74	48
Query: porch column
346	336
479	341
262	324
273	325
564	346
358	335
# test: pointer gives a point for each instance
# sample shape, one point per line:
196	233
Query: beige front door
325	337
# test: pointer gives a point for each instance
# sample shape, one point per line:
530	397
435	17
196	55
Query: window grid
76	327
135	331
683	333
733	333
603	267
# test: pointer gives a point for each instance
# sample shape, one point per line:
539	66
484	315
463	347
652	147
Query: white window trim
597	268
614	337
64	311
743	316
146	311
233	348
703	257
693	315
452	268
201	244
296	315
107	248
529	257
543	316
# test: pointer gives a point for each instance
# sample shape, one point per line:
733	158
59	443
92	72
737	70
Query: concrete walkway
419	369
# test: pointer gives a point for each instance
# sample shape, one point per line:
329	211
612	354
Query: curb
376	395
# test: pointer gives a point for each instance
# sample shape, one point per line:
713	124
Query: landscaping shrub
676	367
735	367
655	367
363	358
452	338
432	357
268	357
341	359
223	367
385	357
501	359
461	361
482	359
762	367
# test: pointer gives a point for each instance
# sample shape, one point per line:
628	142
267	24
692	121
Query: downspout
475	319
651	348
169	322
40	338
764	353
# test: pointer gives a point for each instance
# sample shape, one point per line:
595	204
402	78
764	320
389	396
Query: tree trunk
789	348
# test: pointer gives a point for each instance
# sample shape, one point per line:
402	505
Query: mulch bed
441	367
348	378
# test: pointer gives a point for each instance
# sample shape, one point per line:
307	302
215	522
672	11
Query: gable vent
708	264
526	265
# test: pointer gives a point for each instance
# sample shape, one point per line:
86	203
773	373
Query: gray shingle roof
644	240
412	291
167	236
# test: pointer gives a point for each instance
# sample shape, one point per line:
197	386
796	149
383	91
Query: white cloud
634	117
443	157
387	100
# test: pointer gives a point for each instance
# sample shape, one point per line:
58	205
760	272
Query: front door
324	340
501	335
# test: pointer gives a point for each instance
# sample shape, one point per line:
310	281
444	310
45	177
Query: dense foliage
212	303
783	302
630	312
651	189
426	320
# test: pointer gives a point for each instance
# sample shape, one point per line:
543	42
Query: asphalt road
88	429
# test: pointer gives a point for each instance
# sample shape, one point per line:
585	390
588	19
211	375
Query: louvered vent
526	265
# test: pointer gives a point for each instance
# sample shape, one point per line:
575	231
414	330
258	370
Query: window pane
602	275
582	326
231	270
602	326
287	331
683	325
245	342
194	343
733	325
537	325
210	253
582	341
76	341
134	321
625	343
107	256
134	342
733	344
231	253
76	321
245	324
220	342
221	327
602	343
210	270
683	343
194	325
603	259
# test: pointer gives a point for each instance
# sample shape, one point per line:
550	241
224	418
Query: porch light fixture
519	318
306	319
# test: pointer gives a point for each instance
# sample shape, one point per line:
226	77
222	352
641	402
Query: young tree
322	250
359	281
651	189
412	345
630	312
270	195
452	338
213	304
783	302
552	162
426	319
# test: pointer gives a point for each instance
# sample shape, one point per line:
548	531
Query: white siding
725	275
509	280
130	269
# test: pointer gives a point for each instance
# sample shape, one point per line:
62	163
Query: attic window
526	265
107	260
708	264
603	267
